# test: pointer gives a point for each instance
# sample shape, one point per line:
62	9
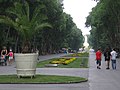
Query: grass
49	79
85	54
78	63
41	79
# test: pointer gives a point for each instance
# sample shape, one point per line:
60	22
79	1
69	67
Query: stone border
51	65
50	82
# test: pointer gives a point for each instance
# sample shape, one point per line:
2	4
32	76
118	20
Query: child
10	54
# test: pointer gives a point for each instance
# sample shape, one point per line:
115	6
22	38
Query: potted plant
27	25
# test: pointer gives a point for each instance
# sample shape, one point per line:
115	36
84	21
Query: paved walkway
102	79
50	71
81	72
98	79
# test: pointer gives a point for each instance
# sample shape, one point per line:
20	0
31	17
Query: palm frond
26	25
15	10
37	15
42	25
8	21
27	11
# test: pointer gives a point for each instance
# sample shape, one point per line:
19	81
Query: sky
79	10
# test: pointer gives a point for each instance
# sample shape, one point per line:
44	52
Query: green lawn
41	79
85	54
78	63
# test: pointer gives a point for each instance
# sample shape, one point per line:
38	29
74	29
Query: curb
50	82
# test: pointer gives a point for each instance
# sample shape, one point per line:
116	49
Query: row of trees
104	20
61	31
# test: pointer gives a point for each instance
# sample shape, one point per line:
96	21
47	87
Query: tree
105	23
48	40
26	25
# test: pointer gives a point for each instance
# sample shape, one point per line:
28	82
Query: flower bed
64	61
77	63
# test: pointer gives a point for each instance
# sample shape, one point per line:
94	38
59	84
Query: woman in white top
113	58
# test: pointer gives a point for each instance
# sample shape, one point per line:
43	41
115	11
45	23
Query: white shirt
113	55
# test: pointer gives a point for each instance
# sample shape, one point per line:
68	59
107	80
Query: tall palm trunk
26	47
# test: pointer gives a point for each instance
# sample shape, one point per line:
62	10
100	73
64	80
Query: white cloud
79	10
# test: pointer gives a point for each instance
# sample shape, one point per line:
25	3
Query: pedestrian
98	58
113	59
107	56
4	55
10	55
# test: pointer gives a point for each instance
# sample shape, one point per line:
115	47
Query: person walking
98	58
4	54
10	55
107	56
113	59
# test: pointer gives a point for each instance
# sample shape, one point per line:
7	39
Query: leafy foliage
25	25
105	22
24	21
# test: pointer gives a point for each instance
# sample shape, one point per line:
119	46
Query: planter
26	64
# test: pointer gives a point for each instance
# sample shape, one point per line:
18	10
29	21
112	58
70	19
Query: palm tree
26	23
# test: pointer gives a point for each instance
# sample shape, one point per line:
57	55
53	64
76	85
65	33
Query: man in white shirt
113	58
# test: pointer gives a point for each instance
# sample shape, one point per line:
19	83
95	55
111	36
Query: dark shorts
107	59
98	62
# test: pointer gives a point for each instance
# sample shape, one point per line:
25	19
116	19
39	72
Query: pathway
98	79
102	79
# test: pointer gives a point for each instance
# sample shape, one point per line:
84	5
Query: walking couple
109	55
